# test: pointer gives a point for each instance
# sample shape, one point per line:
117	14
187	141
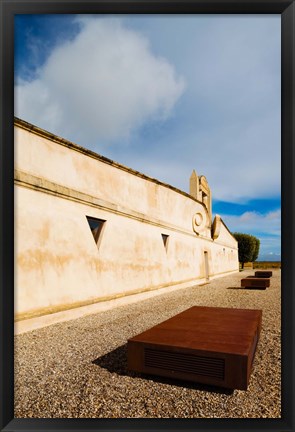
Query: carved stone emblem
199	222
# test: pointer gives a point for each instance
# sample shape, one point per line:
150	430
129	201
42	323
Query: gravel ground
77	369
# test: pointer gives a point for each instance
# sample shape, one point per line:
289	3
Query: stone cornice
61	141
31	181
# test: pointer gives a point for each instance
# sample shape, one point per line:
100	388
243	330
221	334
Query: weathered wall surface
58	263
97	177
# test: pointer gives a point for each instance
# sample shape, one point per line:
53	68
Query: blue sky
165	95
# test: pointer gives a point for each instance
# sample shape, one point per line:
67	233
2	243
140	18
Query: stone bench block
263	273
253	282
208	345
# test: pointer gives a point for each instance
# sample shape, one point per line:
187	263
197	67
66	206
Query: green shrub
256	251
248	247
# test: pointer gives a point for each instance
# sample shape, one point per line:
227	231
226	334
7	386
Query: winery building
90	232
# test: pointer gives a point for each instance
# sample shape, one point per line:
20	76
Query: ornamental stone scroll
199	221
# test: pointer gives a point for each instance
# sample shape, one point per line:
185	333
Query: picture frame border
8	8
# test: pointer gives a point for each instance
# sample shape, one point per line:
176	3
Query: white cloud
241	161
108	81
266	227
100	86
232	135
270	249
255	223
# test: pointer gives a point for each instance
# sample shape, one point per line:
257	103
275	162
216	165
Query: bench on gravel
263	274
254	282
209	345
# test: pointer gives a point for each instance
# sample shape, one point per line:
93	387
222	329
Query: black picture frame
8	9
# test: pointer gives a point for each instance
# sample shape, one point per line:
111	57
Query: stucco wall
114	184
58	264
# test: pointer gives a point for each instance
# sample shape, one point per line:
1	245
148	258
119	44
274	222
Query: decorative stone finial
215	229
194	185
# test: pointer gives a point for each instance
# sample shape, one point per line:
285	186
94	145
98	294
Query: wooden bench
263	273
255	283
208	345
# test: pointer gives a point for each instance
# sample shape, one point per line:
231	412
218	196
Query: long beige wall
59	266
78	169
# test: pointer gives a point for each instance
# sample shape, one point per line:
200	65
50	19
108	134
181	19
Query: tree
247	247
256	251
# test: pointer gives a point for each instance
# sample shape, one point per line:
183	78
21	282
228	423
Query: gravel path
78	368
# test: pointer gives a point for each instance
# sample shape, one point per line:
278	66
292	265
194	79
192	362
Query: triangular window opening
165	238
96	226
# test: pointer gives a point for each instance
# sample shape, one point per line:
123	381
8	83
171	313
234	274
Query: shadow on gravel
116	362
236	288
247	289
